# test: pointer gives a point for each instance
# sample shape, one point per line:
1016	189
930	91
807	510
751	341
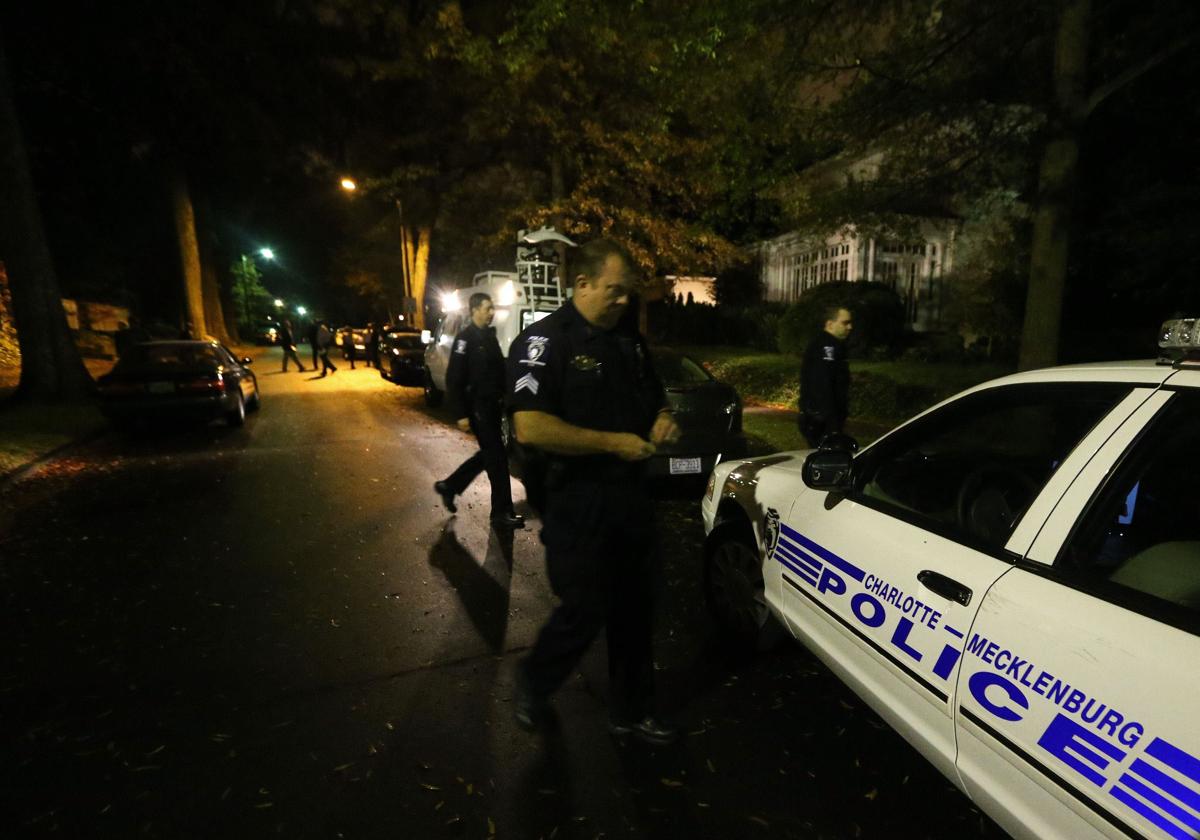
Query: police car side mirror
829	469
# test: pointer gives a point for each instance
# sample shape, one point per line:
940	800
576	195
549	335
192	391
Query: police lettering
907	604
1070	699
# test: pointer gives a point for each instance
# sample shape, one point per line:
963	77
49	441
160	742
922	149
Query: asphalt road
278	631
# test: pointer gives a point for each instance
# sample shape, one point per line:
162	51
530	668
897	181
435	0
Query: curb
17	473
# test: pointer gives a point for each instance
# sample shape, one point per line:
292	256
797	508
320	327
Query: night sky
111	94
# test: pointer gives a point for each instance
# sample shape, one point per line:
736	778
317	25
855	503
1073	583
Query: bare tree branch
1132	73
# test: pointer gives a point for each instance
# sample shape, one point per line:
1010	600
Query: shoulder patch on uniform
460	346
535	347
526	383
828	348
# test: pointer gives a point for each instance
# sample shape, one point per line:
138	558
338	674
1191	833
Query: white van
519	302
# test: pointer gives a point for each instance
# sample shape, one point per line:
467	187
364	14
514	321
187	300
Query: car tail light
211	382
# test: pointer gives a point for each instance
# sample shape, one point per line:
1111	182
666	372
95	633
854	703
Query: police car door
1079	690
885	582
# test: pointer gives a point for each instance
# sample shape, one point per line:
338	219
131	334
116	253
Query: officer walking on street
825	378
584	393
475	389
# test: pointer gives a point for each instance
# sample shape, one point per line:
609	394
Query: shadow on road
485	594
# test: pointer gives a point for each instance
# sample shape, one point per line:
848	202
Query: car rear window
406	341
168	356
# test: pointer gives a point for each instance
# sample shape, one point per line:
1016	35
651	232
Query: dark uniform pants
492	456
289	352
600	551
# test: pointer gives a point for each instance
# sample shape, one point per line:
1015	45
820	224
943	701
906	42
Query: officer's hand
630	447
464	423
665	429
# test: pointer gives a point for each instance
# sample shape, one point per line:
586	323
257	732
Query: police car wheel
734	589
433	397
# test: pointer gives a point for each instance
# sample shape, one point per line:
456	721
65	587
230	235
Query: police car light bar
1179	341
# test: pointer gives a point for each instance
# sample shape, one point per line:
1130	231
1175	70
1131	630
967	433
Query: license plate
685	466
161	387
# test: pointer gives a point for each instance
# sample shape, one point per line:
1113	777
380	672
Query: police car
1011	579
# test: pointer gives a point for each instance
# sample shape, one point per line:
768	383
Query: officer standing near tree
475	390
583	391
825	378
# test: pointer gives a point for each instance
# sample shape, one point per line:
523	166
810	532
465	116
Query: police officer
475	389
825	378
583	392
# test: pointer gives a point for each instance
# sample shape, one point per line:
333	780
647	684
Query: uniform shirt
825	380
589	377
475	374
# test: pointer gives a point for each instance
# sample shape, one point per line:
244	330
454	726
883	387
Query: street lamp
300	310
348	184
278	303
266	253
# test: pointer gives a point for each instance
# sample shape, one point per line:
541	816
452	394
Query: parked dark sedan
402	356
709	414
176	380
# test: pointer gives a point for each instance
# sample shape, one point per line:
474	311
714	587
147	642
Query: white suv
1011	580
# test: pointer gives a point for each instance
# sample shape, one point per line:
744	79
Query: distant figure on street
583	390
475	389
825	378
324	340
288	343
373	336
348	348
313	329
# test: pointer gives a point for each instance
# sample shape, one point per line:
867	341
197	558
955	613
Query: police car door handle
944	586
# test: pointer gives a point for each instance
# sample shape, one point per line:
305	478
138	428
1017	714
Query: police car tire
736	596
255	402
433	397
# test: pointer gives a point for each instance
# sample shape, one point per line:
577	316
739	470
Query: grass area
778	432
881	392
30	431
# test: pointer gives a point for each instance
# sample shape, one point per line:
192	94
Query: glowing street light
266	253
300	310
348	184
278	303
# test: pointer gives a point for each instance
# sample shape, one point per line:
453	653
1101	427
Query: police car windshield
406	341
678	371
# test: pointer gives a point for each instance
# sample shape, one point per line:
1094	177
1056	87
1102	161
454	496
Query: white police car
1010	579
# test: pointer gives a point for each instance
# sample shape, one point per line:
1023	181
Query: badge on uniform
460	346
828	348
585	363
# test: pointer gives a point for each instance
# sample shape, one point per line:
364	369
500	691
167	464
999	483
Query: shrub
877	310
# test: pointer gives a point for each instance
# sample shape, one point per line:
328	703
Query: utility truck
521	297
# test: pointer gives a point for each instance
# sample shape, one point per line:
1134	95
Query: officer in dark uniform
475	389
584	393
825	379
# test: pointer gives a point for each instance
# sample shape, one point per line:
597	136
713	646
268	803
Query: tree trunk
420	272
1057	179
189	255
51	368
213	310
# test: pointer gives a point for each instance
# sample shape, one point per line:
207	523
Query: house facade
914	268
